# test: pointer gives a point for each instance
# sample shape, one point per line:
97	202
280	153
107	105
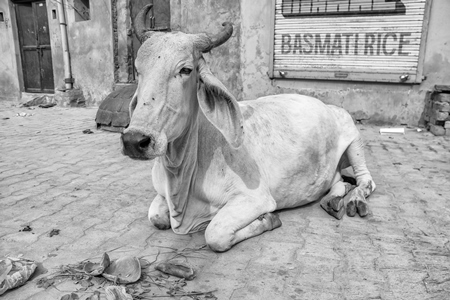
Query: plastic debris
126	269
87	131
392	130
117	293
15	272
97	269
178	269
24	114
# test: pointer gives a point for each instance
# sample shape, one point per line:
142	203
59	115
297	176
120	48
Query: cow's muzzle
136	144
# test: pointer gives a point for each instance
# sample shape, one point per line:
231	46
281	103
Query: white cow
226	166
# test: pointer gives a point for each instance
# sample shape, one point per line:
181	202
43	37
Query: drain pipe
65	46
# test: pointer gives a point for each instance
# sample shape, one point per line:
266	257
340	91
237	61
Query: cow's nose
135	144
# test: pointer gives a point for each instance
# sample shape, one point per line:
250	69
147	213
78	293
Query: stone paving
52	176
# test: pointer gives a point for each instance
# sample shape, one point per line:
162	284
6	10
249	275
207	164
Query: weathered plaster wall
56	44
123	40
437	57
195	16
392	103
9	79
91	51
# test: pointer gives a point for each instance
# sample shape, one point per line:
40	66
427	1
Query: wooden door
35	47
157	17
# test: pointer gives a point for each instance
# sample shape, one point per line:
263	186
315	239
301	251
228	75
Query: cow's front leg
158	213
365	185
239	220
357	201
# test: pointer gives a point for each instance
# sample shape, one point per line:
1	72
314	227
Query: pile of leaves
153	282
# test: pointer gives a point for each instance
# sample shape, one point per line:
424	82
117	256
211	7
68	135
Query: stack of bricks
437	114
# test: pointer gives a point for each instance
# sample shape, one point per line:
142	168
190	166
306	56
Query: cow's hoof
351	209
337	214
357	204
271	220
336	203
161	223
363	208
274	220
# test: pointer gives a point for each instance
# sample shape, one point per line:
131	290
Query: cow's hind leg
239	220
333	201
158	213
364	183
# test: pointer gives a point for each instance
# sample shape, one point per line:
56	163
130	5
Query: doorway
158	17
35	48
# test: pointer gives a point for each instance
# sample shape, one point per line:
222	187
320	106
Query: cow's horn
217	39
141	32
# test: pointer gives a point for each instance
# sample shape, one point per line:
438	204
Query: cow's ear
219	106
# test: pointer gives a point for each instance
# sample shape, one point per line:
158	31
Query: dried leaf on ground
97	269
71	296
178	269
123	270
117	293
95	296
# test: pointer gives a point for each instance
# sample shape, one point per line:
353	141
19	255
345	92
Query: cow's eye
185	71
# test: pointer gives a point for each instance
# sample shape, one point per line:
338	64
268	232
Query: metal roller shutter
363	40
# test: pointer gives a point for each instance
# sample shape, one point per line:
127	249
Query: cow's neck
180	164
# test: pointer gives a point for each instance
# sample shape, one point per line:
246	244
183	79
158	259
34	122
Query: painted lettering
298	44
337	45
347	41
368	43
379	43
403	43
389	35
388	44
307	37
285	43
321	47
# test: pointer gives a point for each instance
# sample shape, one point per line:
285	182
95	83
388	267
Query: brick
442	97
441	106
436	122
437	130
439	115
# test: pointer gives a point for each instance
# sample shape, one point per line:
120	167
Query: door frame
22	70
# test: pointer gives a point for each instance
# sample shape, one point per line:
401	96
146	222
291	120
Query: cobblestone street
52	176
